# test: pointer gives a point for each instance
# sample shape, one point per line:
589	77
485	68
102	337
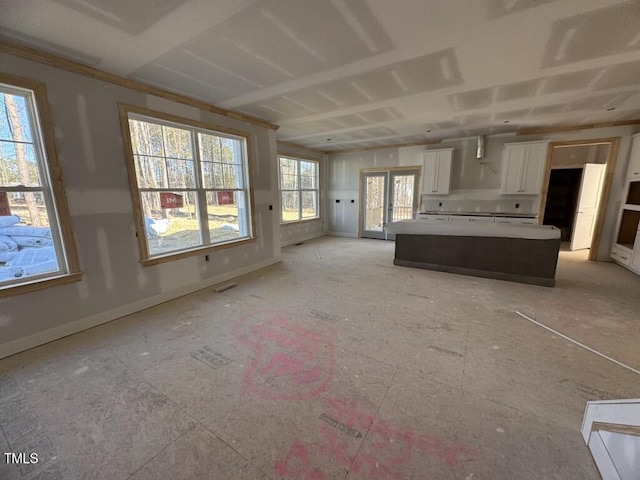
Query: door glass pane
402	197
374	206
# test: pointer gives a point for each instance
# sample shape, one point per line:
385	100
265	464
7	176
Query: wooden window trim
57	191
146	260
40	284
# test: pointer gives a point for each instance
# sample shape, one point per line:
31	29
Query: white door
387	197
587	206
374	205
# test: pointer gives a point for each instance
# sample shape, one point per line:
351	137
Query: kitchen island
513	252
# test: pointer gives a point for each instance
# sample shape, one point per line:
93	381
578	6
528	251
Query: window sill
40	284
193	252
296	222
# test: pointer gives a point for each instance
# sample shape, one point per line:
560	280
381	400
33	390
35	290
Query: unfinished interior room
320	239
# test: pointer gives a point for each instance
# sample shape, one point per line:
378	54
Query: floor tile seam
375	415
189	429
190	416
212	432
464	366
521	412
371	358
173	441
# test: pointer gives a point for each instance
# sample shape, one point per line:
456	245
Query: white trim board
343	234
621	412
301	239
56	333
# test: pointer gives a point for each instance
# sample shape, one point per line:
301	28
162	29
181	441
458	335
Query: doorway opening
562	197
577	183
388	195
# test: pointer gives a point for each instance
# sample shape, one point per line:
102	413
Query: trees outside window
190	184
36	243
299	189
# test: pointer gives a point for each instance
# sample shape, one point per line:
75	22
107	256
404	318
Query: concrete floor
333	364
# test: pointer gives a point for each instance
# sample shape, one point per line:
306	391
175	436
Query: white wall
302	231
89	143
470	181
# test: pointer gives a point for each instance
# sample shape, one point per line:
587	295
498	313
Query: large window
299	189
33	212
190	184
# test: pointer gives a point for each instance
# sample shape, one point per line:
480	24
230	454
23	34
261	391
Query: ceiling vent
480	147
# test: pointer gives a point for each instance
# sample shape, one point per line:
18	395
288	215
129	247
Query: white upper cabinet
634	159
436	172
523	168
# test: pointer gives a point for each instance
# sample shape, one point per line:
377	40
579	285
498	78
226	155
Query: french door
387	196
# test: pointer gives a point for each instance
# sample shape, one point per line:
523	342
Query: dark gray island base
504	256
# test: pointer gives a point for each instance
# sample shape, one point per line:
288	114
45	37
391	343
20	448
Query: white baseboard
55	333
302	239
343	234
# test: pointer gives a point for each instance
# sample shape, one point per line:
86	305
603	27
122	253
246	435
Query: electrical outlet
353	201
206	258
270	207
439	204
337	201
517	205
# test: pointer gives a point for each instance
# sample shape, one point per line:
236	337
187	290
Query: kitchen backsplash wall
450	203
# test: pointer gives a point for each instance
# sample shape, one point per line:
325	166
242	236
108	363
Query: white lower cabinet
621	255
471	219
477	219
635	258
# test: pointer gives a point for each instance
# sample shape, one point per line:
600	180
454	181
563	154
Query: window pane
150	172
18	164
181	173
146	138
26	242
220	149
228	215
308	175
309	202
177	143
14	118
290	202
288	174
210	148
212	175
288	182
171	221
233	176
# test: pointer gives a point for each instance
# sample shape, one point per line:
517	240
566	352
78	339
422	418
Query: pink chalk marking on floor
290	362
387	450
296	464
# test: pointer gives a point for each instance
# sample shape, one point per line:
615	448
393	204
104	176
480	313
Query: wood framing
300	147
57	189
574	128
612	155
124	110
383	147
75	67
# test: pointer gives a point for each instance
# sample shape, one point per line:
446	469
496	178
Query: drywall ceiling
342	74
